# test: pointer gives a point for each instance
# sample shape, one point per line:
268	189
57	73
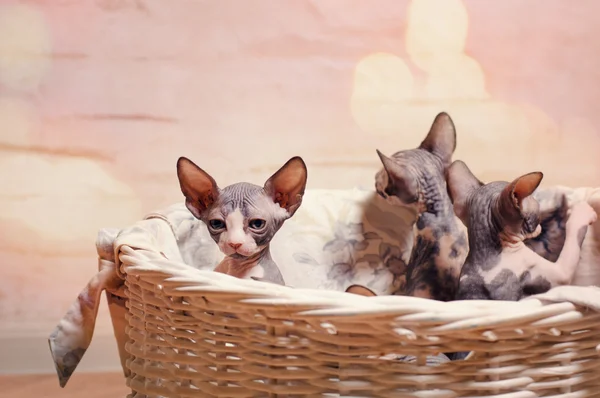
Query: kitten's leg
275	277
562	272
271	270
277	282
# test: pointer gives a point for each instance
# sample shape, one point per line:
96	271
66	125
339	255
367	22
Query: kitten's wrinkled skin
243	218
415	179
500	216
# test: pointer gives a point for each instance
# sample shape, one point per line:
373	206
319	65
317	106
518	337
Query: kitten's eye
257	223
216	224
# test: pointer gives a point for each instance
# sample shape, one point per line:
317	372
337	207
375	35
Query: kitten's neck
435	199
485	243
482	238
439	250
239	266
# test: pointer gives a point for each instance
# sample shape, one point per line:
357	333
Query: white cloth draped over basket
336	239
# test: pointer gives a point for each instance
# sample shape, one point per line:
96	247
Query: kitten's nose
234	246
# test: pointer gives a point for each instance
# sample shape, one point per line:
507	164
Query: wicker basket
196	333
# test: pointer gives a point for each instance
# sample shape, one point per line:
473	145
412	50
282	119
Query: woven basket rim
177	277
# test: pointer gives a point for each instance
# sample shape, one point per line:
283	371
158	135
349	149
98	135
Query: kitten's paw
582	214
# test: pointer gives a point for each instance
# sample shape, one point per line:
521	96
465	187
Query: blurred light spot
24	47
436	30
457	77
380	81
383	77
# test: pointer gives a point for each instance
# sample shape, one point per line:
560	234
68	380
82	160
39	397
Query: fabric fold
586	297
72	336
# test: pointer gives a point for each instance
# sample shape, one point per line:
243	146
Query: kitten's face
243	218
407	173
506	207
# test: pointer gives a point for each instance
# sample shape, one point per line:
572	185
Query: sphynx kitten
499	217
243	218
415	178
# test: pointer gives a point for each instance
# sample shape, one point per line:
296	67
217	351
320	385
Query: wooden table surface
81	385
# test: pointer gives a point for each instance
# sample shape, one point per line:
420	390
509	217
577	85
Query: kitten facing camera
243	218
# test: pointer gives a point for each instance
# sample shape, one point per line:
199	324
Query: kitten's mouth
237	256
241	256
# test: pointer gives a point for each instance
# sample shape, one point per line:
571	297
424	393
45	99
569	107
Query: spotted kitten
500	216
415	178
243	218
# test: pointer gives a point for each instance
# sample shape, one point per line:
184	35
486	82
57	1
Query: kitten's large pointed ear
441	140
521	188
461	182
199	188
404	183
287	185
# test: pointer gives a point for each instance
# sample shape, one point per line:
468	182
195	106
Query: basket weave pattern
201	334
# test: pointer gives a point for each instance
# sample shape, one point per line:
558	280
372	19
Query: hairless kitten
499	217
415	178
243	218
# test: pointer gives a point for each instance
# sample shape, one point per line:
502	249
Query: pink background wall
99	98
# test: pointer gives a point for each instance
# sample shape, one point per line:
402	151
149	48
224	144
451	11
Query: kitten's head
508	207
406	174
243	218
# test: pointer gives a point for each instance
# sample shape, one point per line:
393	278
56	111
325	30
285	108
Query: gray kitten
415	178
242	218
499	217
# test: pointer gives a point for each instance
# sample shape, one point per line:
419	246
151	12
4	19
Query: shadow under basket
197	333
